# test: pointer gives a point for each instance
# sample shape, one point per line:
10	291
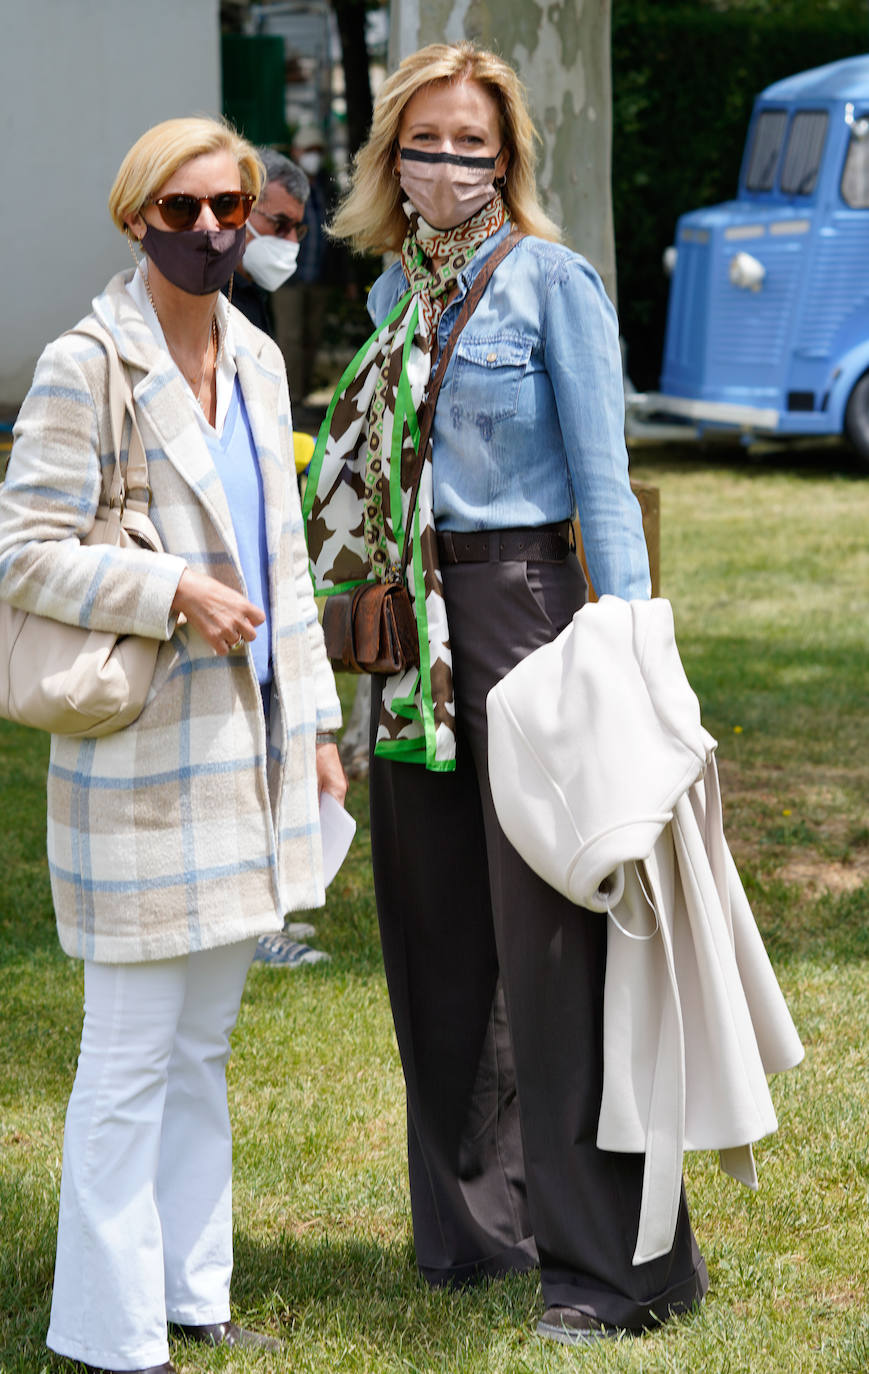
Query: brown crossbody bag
372	629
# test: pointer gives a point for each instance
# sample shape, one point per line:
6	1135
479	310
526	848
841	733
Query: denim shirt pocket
488	370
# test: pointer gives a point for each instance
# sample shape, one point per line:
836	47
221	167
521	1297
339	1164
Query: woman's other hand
221	615
330	772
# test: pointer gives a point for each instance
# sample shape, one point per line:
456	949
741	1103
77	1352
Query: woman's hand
330	772
220	614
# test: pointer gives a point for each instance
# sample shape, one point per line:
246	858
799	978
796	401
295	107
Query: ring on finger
239	644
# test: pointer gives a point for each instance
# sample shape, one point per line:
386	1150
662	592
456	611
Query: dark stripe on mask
486	164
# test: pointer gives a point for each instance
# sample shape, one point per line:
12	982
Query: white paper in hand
337	828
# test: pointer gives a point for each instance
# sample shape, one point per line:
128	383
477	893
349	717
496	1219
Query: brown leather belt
536	544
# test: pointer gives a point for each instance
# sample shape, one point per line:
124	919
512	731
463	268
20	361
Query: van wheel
857	419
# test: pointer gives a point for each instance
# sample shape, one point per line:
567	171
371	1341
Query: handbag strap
134	479
426	420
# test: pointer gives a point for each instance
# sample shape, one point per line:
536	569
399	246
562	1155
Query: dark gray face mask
199	261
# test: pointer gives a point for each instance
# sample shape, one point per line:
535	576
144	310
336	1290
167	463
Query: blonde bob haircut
158	154
371	217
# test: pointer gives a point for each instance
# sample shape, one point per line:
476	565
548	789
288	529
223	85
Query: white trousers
145	1228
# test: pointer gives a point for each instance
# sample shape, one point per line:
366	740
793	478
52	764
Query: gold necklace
215	342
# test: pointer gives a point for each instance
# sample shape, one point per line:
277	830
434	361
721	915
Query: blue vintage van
768	318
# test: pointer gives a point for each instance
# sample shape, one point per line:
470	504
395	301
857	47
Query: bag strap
135	479
469	305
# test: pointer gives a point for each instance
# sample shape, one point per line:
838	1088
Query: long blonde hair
161	150
371	217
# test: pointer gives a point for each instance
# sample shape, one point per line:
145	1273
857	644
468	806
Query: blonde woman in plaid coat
178	841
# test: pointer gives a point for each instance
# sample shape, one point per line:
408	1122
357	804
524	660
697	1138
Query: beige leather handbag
74	681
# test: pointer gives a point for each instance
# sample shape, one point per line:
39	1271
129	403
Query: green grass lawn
766	562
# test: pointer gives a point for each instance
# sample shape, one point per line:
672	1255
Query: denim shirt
529	423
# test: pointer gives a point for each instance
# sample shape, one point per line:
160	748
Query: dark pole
350	16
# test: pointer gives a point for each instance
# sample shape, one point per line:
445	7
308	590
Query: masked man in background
274	231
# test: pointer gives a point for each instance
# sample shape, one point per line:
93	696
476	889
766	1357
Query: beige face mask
445	188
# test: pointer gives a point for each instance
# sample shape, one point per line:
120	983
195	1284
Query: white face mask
310	163
446	188
270	260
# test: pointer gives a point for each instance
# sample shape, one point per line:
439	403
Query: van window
769	132
855	177
802	160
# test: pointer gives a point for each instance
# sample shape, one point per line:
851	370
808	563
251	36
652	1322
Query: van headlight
747	272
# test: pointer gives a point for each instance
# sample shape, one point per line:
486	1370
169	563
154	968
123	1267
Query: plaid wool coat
177	833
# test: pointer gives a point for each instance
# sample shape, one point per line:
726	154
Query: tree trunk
350	17
562	54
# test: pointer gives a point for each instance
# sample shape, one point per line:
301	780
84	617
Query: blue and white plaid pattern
178	833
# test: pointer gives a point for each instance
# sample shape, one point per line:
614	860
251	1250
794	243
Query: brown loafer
224	1333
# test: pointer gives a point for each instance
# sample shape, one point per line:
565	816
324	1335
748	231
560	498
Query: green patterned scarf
358	493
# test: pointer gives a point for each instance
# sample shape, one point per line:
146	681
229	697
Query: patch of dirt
821	875
804	825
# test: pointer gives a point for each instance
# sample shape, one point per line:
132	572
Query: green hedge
684	80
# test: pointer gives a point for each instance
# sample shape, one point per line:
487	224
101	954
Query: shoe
166	1368
569	1326
280	949
224	1333
299	930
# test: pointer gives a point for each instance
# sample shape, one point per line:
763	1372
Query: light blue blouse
234	455
529	423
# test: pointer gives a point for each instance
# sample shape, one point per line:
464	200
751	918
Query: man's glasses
284	226
180	211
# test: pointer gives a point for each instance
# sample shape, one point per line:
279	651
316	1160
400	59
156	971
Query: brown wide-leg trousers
496	983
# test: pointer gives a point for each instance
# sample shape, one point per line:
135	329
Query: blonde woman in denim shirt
496	981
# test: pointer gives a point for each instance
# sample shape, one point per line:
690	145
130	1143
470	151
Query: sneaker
299	930
569	1326
280	949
